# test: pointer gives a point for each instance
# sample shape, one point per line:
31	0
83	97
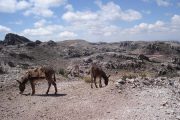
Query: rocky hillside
160	58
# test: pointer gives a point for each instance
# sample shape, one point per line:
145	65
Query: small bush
11	64
25	56
143	75
62	71
129	76
87	79
1	70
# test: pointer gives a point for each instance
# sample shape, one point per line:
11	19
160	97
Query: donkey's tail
54	78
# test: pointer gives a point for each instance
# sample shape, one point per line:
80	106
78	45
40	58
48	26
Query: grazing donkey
33	75
98	72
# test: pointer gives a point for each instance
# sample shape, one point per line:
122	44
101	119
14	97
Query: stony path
77	101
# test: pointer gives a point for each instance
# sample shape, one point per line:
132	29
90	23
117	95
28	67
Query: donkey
33	75
96	71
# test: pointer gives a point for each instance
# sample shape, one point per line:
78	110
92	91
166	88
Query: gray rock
14	39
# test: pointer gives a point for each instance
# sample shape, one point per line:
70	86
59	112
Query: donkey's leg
55	87
100	84
91	81
33	87
95	82
49	85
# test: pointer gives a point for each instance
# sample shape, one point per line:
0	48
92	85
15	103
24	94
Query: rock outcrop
14	39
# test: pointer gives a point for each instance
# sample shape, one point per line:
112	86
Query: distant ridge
14	39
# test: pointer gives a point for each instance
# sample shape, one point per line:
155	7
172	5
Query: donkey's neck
24	81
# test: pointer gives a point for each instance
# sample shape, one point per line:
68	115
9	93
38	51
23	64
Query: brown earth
77	101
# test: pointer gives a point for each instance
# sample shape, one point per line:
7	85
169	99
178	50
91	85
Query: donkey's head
24	79
21	86
106	80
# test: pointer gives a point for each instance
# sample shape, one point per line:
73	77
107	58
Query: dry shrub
63	72
129	76
1	70
132	75
87	79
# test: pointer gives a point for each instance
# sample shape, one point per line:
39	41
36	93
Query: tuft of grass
143	75
129	76
87	79
61	71
1	70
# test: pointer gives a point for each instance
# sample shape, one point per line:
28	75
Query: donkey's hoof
55	93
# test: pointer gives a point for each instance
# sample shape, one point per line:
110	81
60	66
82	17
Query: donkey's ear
18	81
109	76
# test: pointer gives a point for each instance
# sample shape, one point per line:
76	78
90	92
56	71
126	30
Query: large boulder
143	57
14	39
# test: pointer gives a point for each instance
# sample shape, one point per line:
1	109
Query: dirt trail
77	101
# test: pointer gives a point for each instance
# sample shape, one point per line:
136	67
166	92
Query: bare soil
77	101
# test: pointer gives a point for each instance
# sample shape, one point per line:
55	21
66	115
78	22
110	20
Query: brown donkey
33	75
98	72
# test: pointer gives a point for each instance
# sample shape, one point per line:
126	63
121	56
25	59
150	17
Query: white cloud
31	7
4	29
67	34
40	23
36	32
43	30
47	3
107	12
44	12
164	3
10	6
99	23
112	11
43	7
69	7
175	23
159	27
79	16
176	19
23	5
143	28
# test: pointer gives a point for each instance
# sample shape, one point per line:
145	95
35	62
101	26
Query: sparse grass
1	70
131	75
143	75
61	71
87	79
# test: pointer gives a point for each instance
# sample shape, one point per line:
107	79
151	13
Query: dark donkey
33	75
98	72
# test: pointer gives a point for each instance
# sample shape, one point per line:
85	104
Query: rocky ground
77	101
144	82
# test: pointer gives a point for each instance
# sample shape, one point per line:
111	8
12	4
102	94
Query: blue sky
92	20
